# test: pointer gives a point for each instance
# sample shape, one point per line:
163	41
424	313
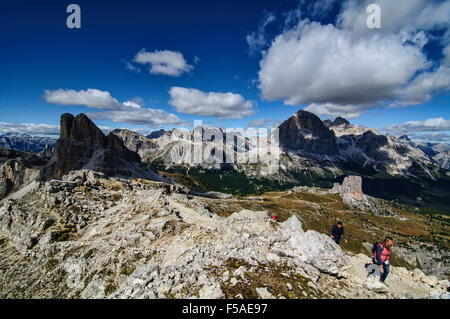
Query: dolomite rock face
305	132
83	145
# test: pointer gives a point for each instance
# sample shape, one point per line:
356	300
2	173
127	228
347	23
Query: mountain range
313	153
25	142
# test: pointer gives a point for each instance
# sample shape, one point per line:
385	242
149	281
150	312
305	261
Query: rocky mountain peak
304	131
83	144
404	138
81	128
340	121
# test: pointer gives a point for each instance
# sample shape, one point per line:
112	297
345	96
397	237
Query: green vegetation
274	277
127	270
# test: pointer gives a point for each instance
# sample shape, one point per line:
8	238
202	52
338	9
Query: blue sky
228	63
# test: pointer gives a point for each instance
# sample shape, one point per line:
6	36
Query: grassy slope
428	195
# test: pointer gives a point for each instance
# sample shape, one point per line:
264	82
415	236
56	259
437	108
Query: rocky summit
305	132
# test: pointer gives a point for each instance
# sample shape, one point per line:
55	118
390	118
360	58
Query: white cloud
447	55
429	125
91	98
347	68
141	116
321	64
29	128
131	104
171	63
221	105
264	123
131	111
257	40
333	110
398	15
424	86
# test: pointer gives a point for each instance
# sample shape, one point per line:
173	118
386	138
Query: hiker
273	221
337	232
381	254
129	185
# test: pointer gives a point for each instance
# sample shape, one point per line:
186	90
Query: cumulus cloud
222	105
131	111
334	110
321	64
91	98
29	128
171	63
347	68
429	125
447	55
424	86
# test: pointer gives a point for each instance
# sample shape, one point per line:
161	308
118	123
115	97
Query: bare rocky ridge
89	236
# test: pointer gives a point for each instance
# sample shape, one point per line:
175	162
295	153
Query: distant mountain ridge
25	142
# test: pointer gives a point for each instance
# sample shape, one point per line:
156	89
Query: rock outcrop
350	188
83	145
18	169
48	151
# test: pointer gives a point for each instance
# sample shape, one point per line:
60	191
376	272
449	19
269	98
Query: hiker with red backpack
381	253
273	221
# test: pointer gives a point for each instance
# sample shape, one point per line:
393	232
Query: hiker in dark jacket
381	257
337	232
